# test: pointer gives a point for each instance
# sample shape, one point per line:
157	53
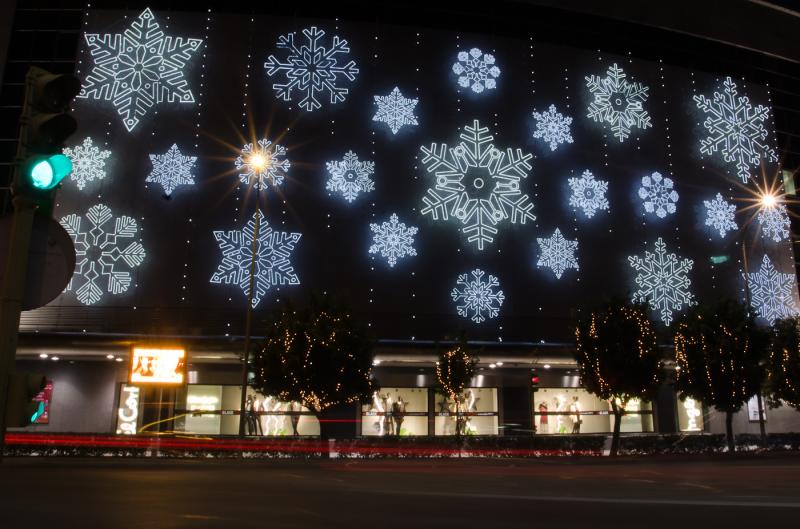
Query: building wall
779	420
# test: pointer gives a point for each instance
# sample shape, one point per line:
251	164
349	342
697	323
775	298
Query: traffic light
534	380
44	127
22	410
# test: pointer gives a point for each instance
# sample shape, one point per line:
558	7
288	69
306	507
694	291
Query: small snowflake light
772	293
311	69
476	70
774	222
663	281
588	194
552	127
557	253
395	110
477	298
88	162
617	102
658	195
172	169
477	184
106	252
735	129
262	165
272	252
393	240
350	176
139	68
720	215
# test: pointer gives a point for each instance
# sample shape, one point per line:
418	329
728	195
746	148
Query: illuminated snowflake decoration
139	68
88	162
107	249
552	127
557	253
477	298
476	70
617	102
736	129
393	240
775	222
658	195
663	281
477	184
588	194
772	292
262	165
395	110
311	69
350	176
272	252
172	169
720	215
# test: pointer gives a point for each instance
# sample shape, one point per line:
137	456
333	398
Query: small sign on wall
752	409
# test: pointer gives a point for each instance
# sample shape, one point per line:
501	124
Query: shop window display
477	410
576	411
396	411
690	415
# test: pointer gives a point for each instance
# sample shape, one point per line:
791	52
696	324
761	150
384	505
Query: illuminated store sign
158	366
128	411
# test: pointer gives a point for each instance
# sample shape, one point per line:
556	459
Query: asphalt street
464	494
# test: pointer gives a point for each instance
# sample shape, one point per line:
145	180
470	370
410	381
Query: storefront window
690	415
396	411
212	410
575	411
477	410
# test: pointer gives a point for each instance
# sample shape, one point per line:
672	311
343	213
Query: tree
783	366
319	356
719	353
618	358
454	372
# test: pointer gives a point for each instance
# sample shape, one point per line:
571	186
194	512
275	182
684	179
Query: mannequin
560	403
250	416
575	413
294	407
377	405
398	412
543	424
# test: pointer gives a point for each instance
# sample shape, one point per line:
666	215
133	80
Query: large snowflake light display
88	162
312	69
395	110
774	222
262	165
552	127
477	298
350	176
106	250
663	281
477	184
736	129
588	194
772	292
658	195
557	253
272	265
172	169
476	70
139	68
393	240
617	102
720	215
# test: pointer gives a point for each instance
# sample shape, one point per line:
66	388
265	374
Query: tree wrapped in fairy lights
618	357
454	371
319	356
783	367
719	357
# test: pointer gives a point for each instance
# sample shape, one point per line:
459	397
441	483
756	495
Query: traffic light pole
11	292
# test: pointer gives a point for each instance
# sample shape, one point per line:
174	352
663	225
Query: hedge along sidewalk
576	446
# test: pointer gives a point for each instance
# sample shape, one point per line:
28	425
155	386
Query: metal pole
13	289
761	426
249	318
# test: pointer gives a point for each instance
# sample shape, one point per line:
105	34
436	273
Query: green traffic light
47	173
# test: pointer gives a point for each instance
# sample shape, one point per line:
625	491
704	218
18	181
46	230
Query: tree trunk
617	424
458	420
729	431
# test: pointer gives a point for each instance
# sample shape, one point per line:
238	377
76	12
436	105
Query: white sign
128	411
752	409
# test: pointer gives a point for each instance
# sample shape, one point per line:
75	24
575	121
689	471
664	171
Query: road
463	494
